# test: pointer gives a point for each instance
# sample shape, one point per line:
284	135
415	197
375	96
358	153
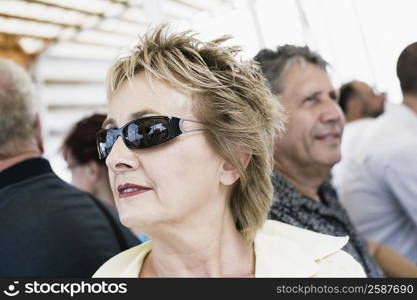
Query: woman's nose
121	158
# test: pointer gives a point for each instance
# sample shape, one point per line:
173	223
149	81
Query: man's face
315	124
372	103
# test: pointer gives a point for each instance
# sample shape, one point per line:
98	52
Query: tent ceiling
113	24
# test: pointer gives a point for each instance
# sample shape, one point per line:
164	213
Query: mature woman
188	143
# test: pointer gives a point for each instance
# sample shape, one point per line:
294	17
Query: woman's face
81	176
178	181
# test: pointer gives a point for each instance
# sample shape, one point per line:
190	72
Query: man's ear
354	108
229	173
38	133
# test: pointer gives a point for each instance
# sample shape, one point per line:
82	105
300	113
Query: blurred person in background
48	228
188	142
88	172
306	152
380	184
360	104
360	101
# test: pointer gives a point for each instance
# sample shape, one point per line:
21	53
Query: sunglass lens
147	133
105	141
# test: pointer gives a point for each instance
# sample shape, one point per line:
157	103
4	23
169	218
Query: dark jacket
50	229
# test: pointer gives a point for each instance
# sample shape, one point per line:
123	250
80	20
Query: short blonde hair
234	103
18	107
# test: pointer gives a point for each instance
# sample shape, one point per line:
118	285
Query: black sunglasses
142	133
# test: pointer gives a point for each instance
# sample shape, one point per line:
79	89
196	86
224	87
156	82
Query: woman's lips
129	190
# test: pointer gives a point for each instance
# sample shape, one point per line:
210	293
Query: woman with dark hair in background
79	149
88	172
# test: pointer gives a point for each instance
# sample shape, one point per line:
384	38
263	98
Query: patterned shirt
327	216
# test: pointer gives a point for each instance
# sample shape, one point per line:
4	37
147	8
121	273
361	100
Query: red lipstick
129	190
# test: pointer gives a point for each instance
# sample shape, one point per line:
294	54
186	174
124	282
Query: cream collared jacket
281	250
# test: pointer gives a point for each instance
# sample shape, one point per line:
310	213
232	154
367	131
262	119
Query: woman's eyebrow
133	116
142	113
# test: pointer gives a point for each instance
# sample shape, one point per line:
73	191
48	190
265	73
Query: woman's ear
229	173
94	171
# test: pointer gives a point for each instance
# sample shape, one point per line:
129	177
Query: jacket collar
284	250
24	170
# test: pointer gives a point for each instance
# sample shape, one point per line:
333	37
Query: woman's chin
131	220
